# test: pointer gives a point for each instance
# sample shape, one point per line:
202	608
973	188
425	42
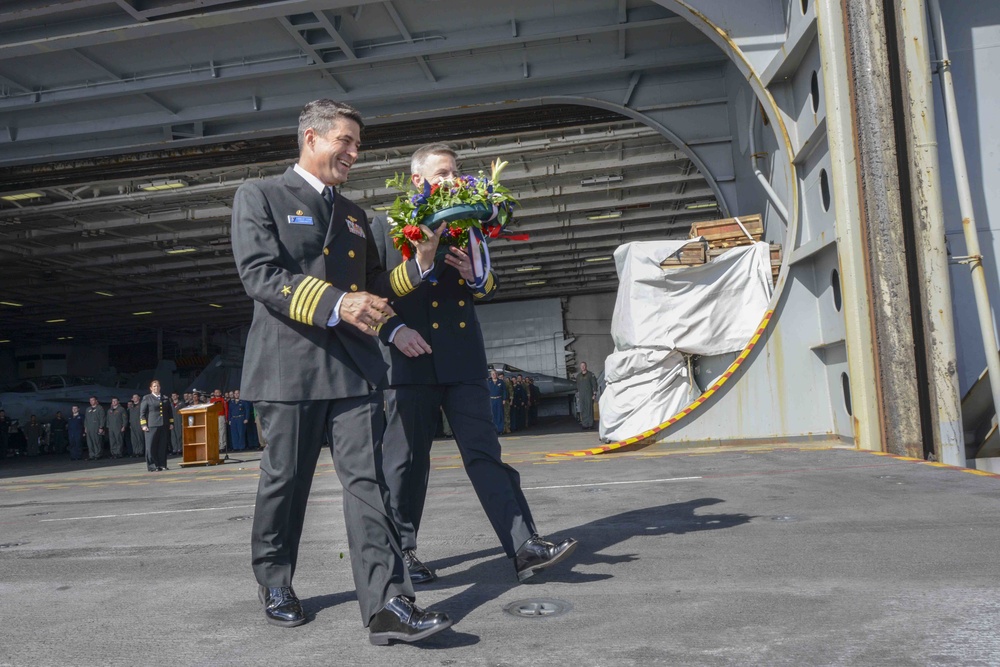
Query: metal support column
913	43
881	222
975	257
851	252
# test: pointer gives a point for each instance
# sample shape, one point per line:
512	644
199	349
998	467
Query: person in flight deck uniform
117	419
586	389
75	428
157	420
498	394
239	417
314	371
57	429
177	434
534	397
94	423
454	379
137	440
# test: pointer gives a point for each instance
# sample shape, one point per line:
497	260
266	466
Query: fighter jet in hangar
548	385
44	396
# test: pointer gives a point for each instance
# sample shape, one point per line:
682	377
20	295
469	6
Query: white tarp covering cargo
661	315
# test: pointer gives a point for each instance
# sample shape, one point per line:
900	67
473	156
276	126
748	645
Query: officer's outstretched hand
427	248
410	343
365	311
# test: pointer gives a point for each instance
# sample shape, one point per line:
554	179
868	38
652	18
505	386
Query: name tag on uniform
354	227
300	220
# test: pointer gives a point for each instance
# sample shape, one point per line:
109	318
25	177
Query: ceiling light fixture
157	186
524	269
177	250
601	180
21	196
383	207
65	338
103	293
215	305
55	321
143	312
532	283
11	303
5	340
705	204
606	258
607	215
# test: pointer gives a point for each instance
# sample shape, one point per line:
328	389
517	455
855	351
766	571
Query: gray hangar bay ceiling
127	125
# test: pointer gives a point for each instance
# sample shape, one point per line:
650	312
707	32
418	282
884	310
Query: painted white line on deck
634	481
118	516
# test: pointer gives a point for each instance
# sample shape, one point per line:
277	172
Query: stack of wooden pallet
718	237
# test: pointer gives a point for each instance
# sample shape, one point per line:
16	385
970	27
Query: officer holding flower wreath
442	313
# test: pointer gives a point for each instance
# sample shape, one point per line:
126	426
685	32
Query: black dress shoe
419	573
537	554
402	620
281	607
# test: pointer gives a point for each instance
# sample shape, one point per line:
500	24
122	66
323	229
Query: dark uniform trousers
296	432
452	378
410	432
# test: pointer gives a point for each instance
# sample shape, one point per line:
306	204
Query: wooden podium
201	434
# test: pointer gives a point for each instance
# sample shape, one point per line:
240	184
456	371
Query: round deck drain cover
538	608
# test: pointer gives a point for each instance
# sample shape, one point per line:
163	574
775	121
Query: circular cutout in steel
538	608
814	91
805	7
835	286
824	189
846	382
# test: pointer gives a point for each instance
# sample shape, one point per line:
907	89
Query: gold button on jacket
326	251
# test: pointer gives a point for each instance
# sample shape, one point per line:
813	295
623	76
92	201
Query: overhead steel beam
55	41
552	72
481	40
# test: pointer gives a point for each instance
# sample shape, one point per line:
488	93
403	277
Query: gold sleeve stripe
489	283
293	306
401	284
314	302
303	294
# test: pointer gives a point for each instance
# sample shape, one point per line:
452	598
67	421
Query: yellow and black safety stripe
487	288
306	298
400	280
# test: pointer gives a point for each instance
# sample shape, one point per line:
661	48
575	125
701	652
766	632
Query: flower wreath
473	208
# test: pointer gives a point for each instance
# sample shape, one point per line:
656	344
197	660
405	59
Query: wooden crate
726	233
692	254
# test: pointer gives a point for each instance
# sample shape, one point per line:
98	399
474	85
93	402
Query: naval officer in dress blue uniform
314	372
453	379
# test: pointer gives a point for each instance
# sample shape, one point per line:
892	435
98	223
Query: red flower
413	233
434	188
407	253
455	230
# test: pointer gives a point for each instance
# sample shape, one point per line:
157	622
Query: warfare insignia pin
286	290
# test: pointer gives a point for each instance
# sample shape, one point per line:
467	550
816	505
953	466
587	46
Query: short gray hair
321	115
424	152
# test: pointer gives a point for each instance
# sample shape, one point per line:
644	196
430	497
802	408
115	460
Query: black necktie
328	195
